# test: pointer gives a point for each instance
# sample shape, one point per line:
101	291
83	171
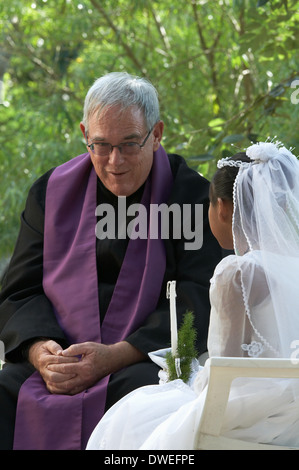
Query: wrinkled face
122	174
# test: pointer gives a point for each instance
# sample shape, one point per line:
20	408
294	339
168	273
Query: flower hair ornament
260	152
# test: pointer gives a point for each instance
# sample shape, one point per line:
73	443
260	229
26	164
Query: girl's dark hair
222	183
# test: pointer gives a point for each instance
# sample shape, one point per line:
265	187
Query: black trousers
13	375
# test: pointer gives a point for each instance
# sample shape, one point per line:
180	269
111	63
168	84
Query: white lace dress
166	416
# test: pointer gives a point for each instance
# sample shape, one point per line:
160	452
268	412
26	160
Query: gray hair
124	90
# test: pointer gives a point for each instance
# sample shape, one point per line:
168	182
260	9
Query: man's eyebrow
97	139
132	136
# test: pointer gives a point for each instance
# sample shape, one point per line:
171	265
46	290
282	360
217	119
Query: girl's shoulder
231	266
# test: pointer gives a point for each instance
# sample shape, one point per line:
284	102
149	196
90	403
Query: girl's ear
225	210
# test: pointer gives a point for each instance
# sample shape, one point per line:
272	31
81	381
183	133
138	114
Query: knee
12	377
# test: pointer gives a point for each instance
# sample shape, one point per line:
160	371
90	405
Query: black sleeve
25	311
191	269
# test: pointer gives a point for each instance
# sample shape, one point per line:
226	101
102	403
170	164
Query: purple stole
48	421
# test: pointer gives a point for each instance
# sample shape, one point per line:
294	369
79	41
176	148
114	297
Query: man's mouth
118	173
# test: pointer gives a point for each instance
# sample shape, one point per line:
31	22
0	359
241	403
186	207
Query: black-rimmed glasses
103	149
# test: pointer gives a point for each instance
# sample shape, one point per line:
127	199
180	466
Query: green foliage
224	71
185	351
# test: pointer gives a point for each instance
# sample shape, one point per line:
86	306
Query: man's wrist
29	344
124	354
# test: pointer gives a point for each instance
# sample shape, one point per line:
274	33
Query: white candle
171	295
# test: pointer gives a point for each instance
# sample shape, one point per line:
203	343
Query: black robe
26	313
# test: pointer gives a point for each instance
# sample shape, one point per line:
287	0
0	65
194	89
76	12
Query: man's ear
225	210
82	127
157	133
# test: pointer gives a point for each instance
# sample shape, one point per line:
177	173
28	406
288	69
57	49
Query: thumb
74	350
54	347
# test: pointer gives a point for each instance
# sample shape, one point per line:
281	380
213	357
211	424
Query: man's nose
115	156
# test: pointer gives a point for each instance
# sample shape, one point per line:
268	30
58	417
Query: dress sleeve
229	327
25	311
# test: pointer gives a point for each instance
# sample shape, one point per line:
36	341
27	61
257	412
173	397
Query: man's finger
58	378
64	368
75	350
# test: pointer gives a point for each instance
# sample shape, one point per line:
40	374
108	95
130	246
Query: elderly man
83	301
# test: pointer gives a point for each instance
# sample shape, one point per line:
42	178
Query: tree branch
208	52
161	29
117	32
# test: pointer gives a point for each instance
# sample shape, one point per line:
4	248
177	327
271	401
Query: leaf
226	153
230	139
217	122
186	349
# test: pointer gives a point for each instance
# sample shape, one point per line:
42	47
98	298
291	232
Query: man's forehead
129	122
116	113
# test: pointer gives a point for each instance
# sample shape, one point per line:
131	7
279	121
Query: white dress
166	416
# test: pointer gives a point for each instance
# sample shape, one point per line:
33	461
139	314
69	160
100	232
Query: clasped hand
72	370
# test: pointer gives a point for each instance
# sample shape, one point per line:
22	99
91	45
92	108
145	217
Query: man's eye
129	144
101	144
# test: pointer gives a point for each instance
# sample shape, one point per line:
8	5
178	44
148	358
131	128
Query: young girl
254	209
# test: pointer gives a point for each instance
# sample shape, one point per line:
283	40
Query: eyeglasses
103	149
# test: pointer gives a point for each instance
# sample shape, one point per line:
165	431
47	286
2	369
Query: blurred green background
226	71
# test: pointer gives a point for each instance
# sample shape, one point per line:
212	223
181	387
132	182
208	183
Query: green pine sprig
186	350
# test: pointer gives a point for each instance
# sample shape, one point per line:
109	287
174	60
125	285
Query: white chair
223	370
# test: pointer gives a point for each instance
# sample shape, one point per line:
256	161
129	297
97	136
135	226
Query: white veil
266	227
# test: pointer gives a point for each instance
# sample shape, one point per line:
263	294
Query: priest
82	306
